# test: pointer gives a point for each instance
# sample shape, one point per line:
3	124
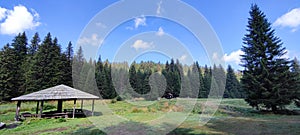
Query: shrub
119	98
61	120
113	101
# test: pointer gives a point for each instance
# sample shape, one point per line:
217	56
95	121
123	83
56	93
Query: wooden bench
55	115
78	112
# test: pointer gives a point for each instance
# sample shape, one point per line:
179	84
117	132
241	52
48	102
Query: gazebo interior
58	93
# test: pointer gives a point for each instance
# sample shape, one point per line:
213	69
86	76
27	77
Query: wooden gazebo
60	93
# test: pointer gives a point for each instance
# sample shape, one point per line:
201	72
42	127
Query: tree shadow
88	131
182	131
133	128
88	113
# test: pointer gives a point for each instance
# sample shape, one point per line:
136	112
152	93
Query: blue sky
137	37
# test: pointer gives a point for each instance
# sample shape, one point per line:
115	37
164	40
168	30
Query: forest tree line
27	67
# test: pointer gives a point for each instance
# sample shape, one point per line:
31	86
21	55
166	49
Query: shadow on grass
255	126
183	131
133	128
88	131
125	128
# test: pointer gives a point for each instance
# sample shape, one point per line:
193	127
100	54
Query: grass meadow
233	116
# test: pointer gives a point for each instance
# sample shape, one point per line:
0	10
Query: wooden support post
74	108
59	106
93	107
37	107
17	117
41	109
81	104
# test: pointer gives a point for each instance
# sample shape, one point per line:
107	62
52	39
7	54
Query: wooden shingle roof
55	93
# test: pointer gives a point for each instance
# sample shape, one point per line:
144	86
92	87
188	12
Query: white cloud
233	57
2	13
139	21
140	44
183	58
290	19
160	32
18	20
158	10
93	40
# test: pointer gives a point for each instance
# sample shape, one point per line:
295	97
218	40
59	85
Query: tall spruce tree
295	71
173	78
7	90
19	46
32	50
133	76
219	77
232	88
201	83
207	79
265	78
78	62
67	59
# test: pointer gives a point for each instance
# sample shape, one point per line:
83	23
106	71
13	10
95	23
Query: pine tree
7	90
201	83
266	74
173	78
35	42
295	71
67	59
99	75
232	88
133	76
19	46
78	63
186	85
219	77
207	79
32	50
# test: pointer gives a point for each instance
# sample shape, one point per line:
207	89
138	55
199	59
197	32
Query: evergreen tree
133	76
207	77
195	80
32	50
99	75
78	62
46	70
232	88
266	73
201	83
295	71
67	59
35	42
7	90
173	78
19	46
220	78
186	86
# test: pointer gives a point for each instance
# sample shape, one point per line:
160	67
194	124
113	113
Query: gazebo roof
56	93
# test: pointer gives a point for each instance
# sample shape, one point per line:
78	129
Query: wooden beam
59	105
37	107
74	107
17	117
93	107
41	109
81	104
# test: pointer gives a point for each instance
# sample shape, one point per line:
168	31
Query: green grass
234	116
